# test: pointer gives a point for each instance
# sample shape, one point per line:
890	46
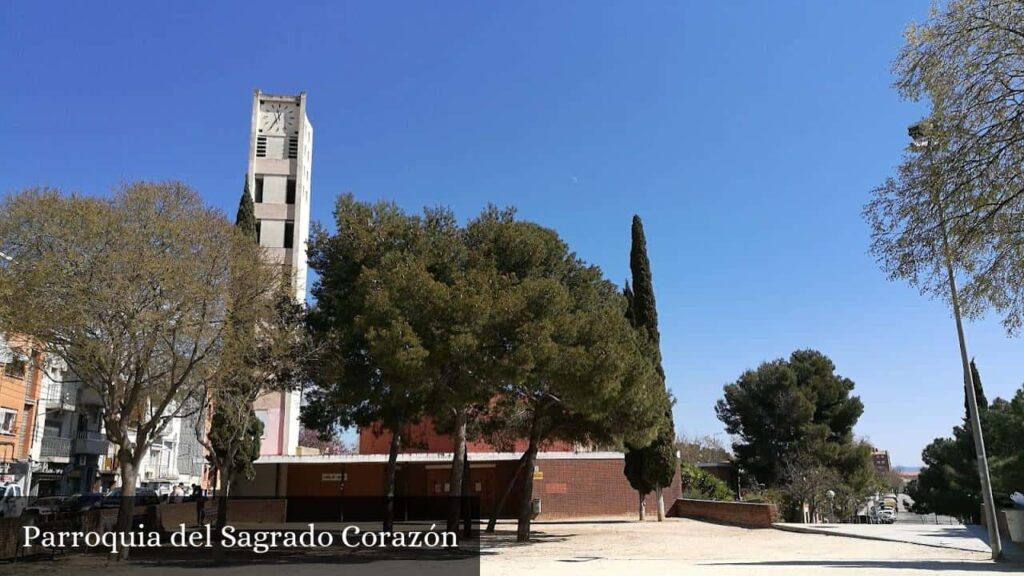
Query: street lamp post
831	505
919	136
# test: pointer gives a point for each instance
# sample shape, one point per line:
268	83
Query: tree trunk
126	509
467	506
455	487
389	479
526	503
661	504
643	506
225	494
493	522
226	476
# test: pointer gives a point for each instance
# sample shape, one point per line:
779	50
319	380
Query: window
259	229
15	369
259	190
289	194
293	147
7	418
289	233
261	415
261	146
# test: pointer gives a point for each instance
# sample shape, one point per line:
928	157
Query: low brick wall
240	511
580	488
745	514
9	537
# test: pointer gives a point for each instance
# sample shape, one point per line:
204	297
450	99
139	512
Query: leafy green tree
373	277
132	292
949	483
265	348
965	60
1005	428
649	467
574	369
807	481
238	437
795	406
947	222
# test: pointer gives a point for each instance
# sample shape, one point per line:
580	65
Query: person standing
200	498
178	493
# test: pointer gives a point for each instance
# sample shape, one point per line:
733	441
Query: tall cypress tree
246	217
979	393
645	312
652	466
235	432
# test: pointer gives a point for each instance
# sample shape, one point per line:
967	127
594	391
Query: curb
802	529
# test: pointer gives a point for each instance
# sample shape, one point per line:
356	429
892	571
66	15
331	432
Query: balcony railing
62	396
91	443
55	447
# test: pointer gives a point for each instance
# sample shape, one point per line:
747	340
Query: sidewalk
955	537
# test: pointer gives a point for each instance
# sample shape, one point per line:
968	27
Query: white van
12	502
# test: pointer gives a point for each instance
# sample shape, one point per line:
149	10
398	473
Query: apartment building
71	452
20	382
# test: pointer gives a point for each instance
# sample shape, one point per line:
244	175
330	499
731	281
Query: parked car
43	508
81	503
143	497
886	516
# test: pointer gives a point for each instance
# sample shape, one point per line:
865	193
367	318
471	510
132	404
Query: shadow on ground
881	565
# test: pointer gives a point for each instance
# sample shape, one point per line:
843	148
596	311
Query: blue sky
746	134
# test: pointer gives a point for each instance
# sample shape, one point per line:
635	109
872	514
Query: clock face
278	118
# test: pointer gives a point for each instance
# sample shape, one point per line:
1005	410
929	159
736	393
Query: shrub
698	483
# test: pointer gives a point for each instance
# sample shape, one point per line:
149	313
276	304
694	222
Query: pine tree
652	466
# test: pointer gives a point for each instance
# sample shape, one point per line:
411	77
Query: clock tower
280	158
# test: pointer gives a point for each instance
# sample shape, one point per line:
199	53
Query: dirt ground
599	547
679	546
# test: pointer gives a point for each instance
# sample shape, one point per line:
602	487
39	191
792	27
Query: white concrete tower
280	159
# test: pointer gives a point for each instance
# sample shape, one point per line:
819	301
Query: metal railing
89	442
55	447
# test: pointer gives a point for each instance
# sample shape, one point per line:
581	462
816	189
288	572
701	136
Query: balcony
91	443
55	447
61	396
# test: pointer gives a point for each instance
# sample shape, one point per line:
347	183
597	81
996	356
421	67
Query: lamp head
919	134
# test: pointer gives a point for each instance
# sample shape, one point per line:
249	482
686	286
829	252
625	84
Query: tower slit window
289	194
289	233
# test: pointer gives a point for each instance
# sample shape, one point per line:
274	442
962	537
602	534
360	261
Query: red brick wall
567	487
590	487
738	513
239	511
422	438
10	533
